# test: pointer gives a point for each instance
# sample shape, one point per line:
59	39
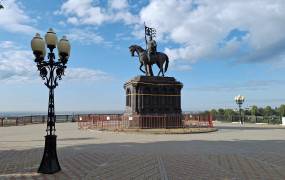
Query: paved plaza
251	152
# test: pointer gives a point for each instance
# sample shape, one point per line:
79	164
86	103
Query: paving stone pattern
250	152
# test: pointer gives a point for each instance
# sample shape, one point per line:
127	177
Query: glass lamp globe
63	48
51	39
38	46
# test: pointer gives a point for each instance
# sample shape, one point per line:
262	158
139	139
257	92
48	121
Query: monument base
153	102
158	121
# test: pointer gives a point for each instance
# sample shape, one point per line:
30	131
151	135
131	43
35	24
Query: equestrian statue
150	56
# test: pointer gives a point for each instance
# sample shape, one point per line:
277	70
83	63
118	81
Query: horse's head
132	49
136	48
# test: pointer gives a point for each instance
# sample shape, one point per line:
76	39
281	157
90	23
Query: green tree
268	111
229	114
214	112
281	110
247	112
206	112
275	111
254	110
260	111
221	111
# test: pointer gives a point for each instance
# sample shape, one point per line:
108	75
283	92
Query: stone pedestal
153	96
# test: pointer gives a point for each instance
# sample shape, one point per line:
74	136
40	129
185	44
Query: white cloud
200	29
7	44
180	67
17	66
118	4
86	12
72	20
14	19
85	36
125	16
199	26
82	12
252	85
85	74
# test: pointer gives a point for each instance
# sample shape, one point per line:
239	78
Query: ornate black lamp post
239	100
51	71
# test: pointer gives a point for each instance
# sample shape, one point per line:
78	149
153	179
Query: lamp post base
49	164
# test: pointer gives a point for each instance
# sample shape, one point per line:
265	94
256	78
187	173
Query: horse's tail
166	63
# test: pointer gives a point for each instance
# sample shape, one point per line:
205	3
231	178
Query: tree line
252	111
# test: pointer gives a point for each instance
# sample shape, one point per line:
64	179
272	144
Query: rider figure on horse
151	50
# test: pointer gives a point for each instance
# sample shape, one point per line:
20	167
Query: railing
250	119
197	120
35	119
116	121
89	121
119	121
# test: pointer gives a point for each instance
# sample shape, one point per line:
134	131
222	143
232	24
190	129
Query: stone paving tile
193	167
146	166
119	156
247	168
127	166
270	158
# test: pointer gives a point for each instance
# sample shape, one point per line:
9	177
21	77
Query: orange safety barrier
120	121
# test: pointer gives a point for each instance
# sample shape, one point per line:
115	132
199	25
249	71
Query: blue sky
218	49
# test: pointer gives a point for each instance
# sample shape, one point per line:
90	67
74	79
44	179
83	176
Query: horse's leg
141	68
158	65
149	70
146	70
161	67
159	70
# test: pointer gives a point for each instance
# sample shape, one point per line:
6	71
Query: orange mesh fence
119	121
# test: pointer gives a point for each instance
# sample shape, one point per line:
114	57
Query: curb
164	131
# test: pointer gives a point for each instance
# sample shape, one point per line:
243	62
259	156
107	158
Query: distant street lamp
239	100
50	71
1	6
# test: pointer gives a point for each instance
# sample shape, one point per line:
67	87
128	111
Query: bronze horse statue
159	59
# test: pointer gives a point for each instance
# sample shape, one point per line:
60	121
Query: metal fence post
101	120
164	121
